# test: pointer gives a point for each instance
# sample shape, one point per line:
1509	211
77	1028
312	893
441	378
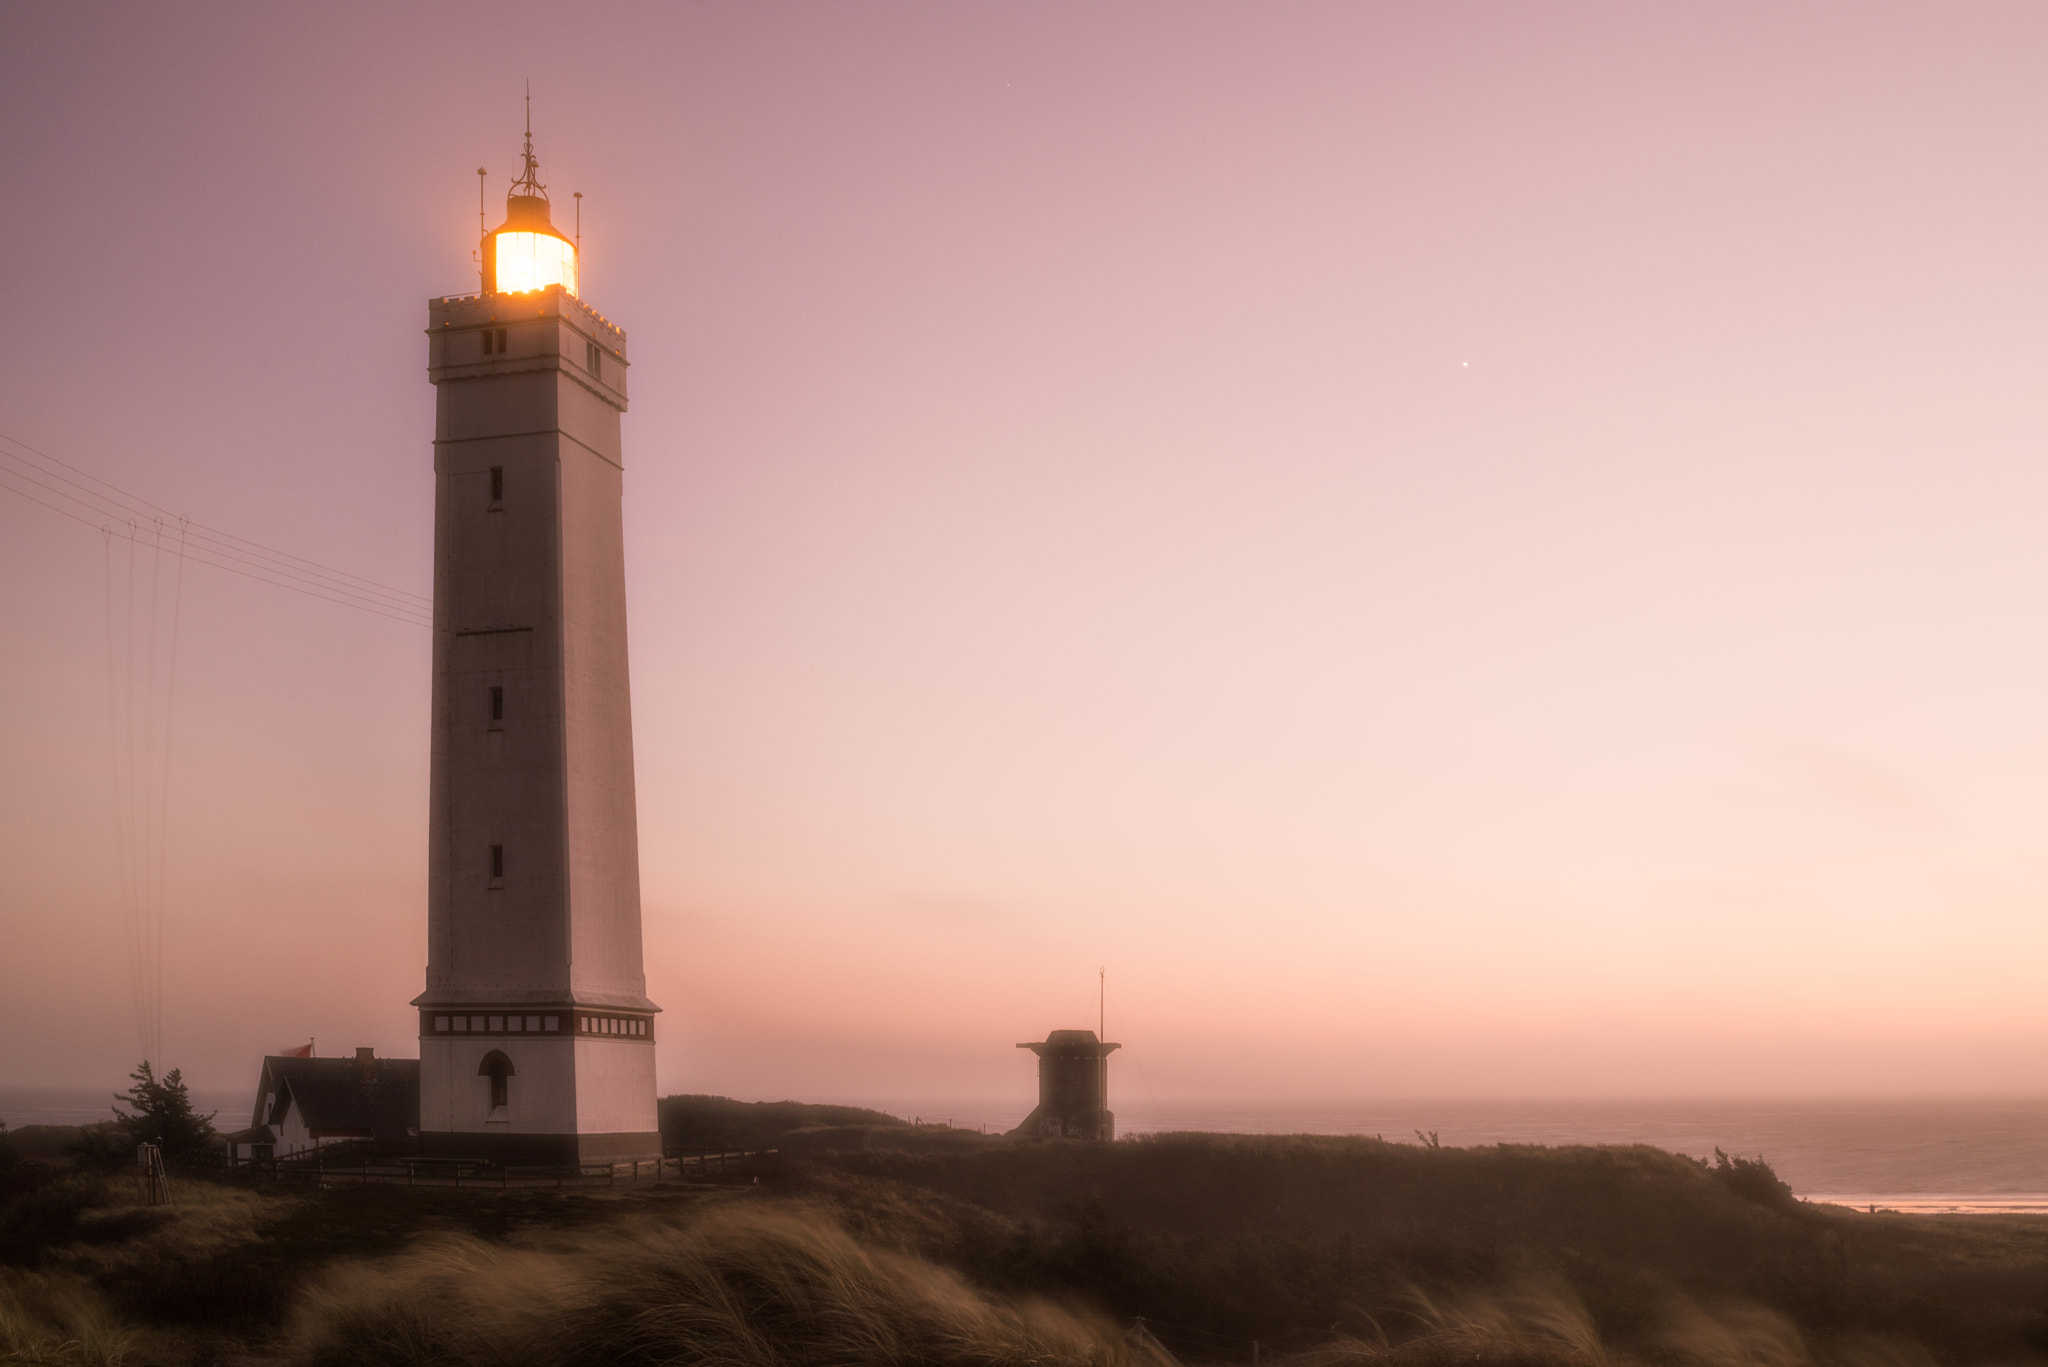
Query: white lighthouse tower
536	1034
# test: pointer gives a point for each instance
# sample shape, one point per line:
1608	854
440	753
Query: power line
140	708
213	547
109	511
149	508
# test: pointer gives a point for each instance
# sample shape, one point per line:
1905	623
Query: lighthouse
536	1034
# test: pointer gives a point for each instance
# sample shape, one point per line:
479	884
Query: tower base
541	1150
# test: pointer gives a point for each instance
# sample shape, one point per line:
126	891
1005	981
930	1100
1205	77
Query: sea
1936	1156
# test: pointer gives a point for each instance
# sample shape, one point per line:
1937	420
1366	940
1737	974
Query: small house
303	1103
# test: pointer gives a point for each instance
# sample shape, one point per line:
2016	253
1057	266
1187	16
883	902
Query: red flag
303	1051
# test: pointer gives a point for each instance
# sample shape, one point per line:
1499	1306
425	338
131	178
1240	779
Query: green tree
162	1114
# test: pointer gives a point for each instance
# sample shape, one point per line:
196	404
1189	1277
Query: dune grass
59	1320
1325	1252
742	1287
1304	1241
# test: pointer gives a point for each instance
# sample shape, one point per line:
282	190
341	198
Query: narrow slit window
497	702
497	861
488	348
501	341
591	357
497	484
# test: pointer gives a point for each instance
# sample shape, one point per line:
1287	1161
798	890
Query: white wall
541	1094
615	1094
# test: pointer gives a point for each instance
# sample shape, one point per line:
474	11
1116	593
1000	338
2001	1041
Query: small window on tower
499	1070
497	862
501	341
497	485
497	704
486	335
591	358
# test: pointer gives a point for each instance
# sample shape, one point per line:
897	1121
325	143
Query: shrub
1750	1178
104	1147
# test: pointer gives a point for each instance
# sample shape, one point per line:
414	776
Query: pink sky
1457	549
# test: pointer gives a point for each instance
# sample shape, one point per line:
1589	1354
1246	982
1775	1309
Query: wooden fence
332	1165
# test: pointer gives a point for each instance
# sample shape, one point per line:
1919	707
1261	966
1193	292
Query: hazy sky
1457	548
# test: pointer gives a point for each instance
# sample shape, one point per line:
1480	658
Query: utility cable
121	495
208	546
163	827
317	583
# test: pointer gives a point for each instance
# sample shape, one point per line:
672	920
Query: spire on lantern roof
529	182
527	252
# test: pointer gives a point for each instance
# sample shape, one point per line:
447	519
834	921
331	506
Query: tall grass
741	1287
59	1320
1544	1324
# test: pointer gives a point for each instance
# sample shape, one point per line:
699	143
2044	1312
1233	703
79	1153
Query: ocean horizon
1966	1156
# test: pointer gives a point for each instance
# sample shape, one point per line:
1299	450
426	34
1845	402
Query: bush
690	1123
1750	1178
105	1147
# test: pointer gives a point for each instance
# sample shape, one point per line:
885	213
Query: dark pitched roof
332	1094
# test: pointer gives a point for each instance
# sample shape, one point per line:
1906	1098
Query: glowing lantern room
525	252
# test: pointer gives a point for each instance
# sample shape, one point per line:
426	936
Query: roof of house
338	1094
